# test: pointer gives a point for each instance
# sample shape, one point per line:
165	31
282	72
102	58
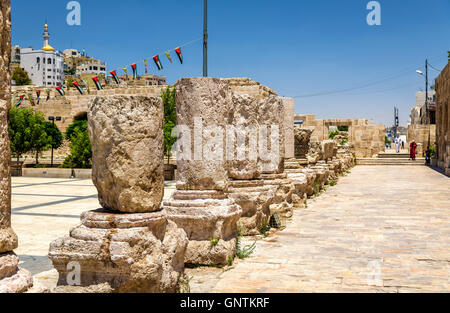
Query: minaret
46	37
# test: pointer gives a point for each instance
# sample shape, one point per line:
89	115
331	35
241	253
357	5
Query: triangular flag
180	56
158	62
38	96
20	100
30	98
146	66
61	91
97	83
168	56
134	68
114	75
80	90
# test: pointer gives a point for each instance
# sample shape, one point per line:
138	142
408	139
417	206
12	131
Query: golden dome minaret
46	36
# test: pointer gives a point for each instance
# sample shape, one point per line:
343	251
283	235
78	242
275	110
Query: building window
38	60
49	61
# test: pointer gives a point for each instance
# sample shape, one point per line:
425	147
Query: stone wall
423	135
73	104
367	139
443	119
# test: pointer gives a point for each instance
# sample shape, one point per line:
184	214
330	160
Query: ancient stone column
246	187
201	205
272	147
303	181
12	278
128	245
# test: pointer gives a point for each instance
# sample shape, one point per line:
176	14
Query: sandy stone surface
127	152
246	164
378	230
207	100
271	115
135	253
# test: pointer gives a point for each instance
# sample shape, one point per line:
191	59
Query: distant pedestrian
428	156
413	150
397	144
403	145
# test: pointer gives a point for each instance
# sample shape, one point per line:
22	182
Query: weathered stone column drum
12	278
129	244
200	205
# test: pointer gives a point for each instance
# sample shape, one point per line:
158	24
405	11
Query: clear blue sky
296	47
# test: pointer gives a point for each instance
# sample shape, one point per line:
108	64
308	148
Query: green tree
81	124
21	77
56	137
170	120
27	132
80	146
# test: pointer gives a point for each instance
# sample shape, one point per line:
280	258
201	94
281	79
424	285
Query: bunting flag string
38	96
157	59
86	85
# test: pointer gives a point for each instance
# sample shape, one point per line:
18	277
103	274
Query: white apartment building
45	67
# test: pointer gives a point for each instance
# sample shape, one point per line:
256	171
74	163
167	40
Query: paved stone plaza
382	228
47	208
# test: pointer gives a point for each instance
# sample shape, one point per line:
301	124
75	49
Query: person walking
398	142
413	150
428	156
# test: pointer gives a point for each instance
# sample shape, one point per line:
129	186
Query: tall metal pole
426	93
205	39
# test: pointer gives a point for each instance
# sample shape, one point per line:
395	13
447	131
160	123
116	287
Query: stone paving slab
380	229
44	209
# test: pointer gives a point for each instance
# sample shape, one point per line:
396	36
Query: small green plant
432	151
246	251
306	204
333	134
230	260
332	183
214	241
343	142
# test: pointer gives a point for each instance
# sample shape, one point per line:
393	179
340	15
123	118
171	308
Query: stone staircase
389	158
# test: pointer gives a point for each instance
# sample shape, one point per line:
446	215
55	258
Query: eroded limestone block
209	218
127	152
299	195
12	278
131	253
283	188
242	139
302	139
327	147
254	199
203	105
271	140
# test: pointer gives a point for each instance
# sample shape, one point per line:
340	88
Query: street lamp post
427	114
52	119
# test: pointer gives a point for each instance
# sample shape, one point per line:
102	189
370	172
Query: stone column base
300	181
210	220
12	278
254	199
129	253
282	204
